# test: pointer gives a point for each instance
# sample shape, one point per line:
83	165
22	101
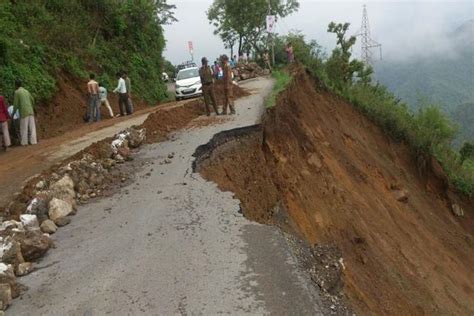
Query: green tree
340	68
466	151
243	21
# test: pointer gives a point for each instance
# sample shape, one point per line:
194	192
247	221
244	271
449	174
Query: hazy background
405	28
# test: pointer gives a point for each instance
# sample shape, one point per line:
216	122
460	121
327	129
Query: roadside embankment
319	169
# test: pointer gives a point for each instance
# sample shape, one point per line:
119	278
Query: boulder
7	277
24	268
10	251
136	137
63	189
59	208
49	227
29	221
39	206
11	225
457	210
62	221
5	296
33	244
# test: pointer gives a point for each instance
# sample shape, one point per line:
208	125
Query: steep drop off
342	181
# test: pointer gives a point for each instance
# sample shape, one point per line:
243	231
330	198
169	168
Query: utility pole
270	35
367	43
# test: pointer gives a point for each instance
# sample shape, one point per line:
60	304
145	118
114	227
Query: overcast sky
405	28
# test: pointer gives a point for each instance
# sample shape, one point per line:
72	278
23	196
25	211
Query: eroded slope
342	181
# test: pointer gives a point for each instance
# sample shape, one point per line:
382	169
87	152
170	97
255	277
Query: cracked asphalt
170	243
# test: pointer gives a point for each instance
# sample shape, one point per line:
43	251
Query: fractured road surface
170	243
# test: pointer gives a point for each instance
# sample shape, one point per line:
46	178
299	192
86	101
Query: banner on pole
190	47
271	23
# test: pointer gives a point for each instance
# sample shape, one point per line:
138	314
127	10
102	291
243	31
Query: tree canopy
244	21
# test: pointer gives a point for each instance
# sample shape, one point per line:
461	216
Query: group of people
22	117
208	77
98	96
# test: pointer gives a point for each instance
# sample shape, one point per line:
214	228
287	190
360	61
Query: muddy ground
323	172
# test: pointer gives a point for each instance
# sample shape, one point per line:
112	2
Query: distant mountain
447	80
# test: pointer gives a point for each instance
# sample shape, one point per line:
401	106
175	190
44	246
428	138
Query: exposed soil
322	170
67	109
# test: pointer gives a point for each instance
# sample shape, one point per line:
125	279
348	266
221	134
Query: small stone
62	221
48	226
401	195
24	268
457	210
171	156
40	185
314	160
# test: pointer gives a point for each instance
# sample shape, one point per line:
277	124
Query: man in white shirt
123	96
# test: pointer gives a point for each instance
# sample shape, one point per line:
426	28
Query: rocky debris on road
251	70
325	266
48	202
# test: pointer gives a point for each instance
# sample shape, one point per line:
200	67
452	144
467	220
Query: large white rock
59	208
29	221
63	189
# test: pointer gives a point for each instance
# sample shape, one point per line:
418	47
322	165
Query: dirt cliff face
342	181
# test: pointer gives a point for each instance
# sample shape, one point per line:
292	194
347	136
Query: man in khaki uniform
228	85
207	81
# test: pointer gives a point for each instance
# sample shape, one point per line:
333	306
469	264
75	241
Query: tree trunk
240	45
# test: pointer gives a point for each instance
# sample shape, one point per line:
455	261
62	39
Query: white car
188	83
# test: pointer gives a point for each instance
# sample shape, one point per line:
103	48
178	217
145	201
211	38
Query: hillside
54	45
321	170
444	79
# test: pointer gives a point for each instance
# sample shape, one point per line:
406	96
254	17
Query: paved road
170	243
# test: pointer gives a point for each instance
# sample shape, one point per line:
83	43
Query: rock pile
250	70
54	199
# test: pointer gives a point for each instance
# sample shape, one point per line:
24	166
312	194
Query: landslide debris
319	169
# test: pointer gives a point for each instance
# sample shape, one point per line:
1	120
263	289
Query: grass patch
282	78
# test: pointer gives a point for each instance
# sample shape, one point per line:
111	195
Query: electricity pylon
367	43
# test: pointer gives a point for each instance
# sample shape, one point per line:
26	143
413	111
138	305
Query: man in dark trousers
123	95
207	81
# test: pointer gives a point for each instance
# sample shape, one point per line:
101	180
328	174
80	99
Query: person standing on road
128	84
4	117
228	86
103	99
289	53
122	91
266	60
94	105
207	82
24	103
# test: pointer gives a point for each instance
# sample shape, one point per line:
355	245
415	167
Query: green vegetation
42	41
243	22
282	79
428	131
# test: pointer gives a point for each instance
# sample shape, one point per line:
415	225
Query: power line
367	43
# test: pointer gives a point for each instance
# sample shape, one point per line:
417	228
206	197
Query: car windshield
188	73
